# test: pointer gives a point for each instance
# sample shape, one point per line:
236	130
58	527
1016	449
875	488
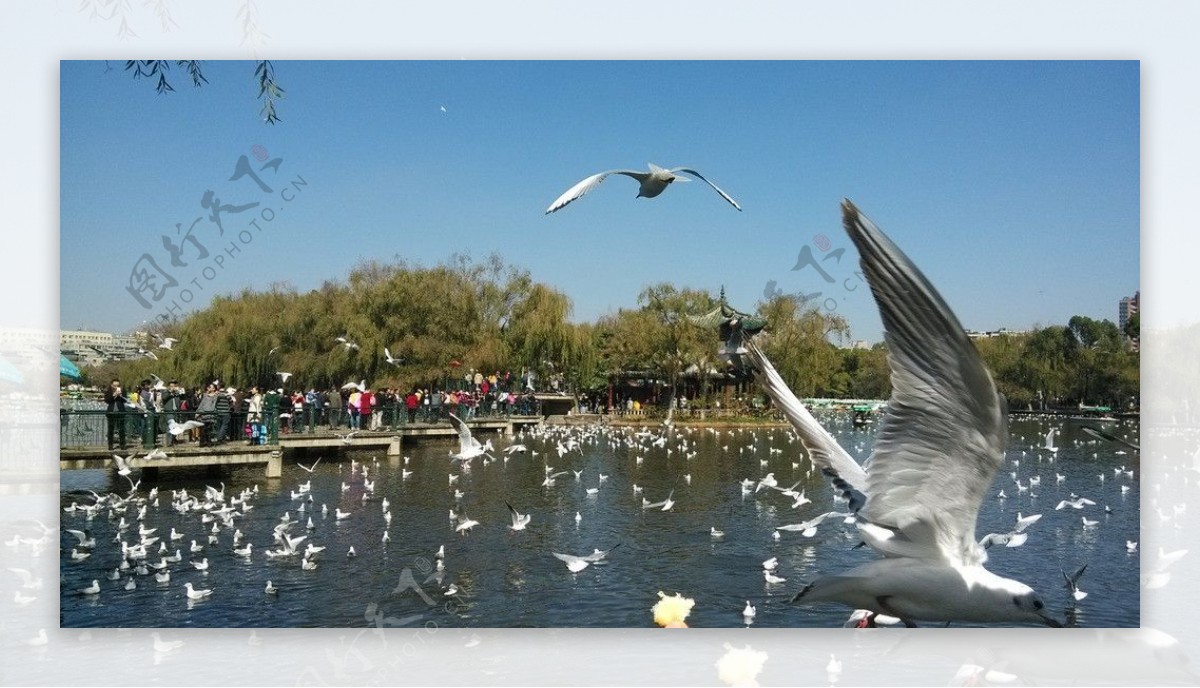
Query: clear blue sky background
1014	185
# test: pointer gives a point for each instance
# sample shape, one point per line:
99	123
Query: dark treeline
444	320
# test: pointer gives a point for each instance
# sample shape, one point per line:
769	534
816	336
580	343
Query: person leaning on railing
411	402
114	397
224	410
333	400
433	406
171	399
206	412
254	416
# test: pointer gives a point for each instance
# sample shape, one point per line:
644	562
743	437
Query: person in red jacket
366	403
411	402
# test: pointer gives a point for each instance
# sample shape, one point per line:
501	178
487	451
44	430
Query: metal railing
146	430
132	430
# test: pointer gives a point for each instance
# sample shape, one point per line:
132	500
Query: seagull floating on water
651	184
937	453
194	594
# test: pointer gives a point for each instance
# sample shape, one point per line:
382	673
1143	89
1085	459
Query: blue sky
1014	185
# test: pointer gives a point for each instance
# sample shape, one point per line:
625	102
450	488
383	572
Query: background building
1127	307
87	348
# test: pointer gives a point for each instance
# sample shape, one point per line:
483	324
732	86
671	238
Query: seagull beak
1051	621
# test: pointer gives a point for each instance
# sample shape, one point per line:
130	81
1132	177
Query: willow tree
800	346
538	331
626	340
677	343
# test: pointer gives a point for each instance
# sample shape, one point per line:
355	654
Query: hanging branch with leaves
269	90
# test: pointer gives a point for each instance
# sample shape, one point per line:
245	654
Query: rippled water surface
506	578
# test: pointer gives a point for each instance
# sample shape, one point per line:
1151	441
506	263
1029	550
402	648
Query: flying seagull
469	447
1049	446
177	428
519	520
937	454
1073	582
575	564
123	464
652	183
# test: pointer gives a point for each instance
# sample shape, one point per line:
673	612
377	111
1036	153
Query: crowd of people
230	414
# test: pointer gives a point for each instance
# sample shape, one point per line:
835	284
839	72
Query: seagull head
1020	602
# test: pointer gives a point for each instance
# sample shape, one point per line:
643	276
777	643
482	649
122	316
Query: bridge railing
136	429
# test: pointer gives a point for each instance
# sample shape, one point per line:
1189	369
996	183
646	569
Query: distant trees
1084	362
484	315
492	316
800	348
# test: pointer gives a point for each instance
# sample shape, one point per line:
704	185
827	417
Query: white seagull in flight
938	450
519	520
651	183
469	447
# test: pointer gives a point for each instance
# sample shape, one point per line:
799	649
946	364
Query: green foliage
491	316
486	316
1085	362
799	345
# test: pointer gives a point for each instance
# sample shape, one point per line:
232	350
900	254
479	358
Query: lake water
509	579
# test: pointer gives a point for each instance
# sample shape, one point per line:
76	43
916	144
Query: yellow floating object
670	612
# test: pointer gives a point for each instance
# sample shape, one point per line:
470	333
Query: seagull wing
465	441
599	554
122	464
79	535
590	183
516	515
1100	434
569	558
943	439
716	188
824	451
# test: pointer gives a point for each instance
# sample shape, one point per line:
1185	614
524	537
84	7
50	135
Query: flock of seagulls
147	533
915	501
